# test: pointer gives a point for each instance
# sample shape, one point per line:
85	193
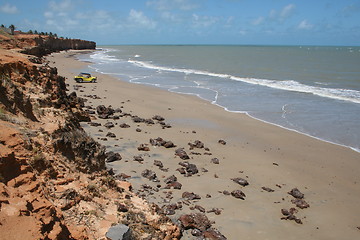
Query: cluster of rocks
161	142
200	226
187	169
299	202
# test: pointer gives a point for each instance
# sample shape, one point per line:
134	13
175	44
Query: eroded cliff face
40	45
48	45
53	180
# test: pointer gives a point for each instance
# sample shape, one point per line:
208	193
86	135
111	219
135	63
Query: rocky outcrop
47	45
53	179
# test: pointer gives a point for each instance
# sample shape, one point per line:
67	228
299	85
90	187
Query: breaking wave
288	85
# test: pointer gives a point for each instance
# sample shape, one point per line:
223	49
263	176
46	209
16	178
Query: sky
253	22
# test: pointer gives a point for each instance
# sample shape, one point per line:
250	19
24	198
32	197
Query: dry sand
263	154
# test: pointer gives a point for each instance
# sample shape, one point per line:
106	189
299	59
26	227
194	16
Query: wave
288	85
102	56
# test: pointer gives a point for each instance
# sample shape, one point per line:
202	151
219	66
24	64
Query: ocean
309	89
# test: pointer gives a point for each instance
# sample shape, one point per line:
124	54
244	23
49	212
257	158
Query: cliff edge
53	179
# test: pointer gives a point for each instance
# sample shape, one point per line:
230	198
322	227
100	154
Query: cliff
53	179
44	46
40	45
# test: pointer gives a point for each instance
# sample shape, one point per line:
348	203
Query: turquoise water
312	90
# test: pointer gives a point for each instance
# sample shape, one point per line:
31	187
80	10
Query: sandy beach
272	160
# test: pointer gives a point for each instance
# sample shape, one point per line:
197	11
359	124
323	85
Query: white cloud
48	14
168	16
258	21
139	19
203	21
305	25
61	6
165	5
9	9
285	13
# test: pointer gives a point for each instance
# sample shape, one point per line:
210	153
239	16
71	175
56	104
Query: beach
272	160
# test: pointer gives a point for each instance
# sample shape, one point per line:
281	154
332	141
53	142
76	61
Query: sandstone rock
109	125
112	157
290	215
195	221
158	163
161	142
170	209
124	125
200	208
170	179
267	189
158	118
137	119
122	207
215	161
241	181
149	121
110	134
149	174
190	196
181	170
94	124
174	185
191	169
296	193
300	203
169	144
213	234
182	154
217	211
104	112
225	192
196	144
238	194
143	147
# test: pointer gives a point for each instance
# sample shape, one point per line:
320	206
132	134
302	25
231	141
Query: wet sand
263	154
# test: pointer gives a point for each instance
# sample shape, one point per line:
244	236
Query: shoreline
260	152
200	72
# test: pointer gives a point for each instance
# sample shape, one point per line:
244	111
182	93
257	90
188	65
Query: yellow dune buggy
85	77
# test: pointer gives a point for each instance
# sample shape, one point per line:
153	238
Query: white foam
287	85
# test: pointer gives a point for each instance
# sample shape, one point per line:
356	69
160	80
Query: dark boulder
215	161
109	125
300	203
238	194
112	157
190	196
104	112
296	193
195	221
196	144
158	163
143	147
171	179
149	174
240	181
138	159
182	154
110	134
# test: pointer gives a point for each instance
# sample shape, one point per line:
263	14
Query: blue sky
280	22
